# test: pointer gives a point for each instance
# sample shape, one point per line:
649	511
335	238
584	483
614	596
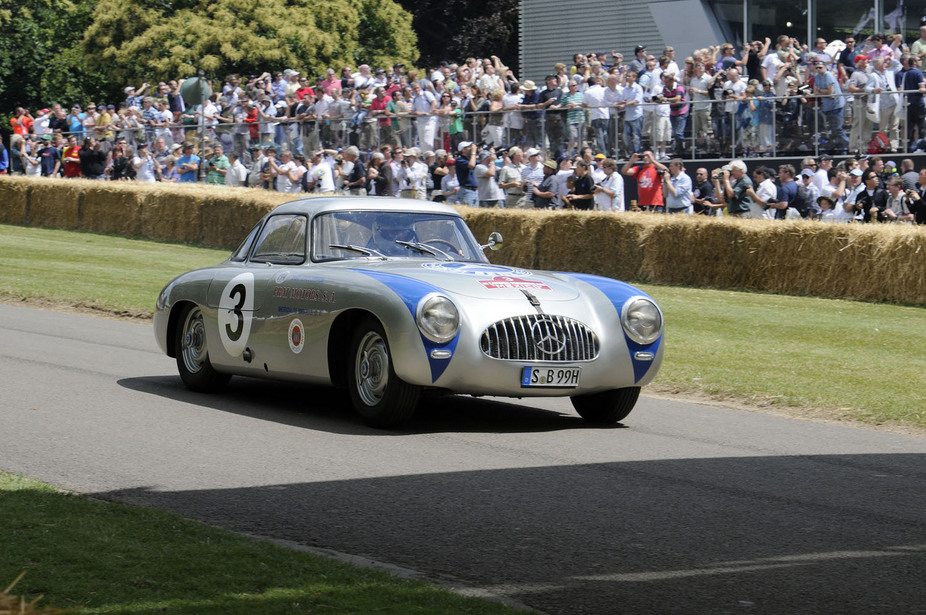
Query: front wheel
193	363
380	397
606	407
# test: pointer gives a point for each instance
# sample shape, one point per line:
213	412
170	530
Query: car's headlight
438	318
642	320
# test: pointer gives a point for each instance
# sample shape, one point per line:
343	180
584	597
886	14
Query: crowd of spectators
474	133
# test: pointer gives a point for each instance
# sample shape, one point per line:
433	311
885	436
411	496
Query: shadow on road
328	409
802	534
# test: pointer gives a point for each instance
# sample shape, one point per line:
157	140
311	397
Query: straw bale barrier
877	262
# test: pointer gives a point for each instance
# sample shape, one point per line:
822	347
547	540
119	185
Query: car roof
313	206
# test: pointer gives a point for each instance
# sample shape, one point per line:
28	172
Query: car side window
241	252
282	241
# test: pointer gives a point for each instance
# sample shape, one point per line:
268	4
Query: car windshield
363	234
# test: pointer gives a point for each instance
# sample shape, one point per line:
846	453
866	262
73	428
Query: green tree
159	39
40	59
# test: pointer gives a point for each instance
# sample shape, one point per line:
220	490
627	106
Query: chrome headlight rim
648	334
439	334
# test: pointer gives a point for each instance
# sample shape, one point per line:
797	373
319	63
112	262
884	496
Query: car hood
482	280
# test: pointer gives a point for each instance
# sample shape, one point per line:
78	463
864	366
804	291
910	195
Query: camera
660	171
717	174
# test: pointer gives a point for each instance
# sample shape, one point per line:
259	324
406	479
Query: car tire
193	363
380	397
607	407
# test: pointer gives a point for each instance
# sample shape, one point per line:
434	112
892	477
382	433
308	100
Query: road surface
686	508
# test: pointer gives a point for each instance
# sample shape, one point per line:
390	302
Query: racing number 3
236	311
234	334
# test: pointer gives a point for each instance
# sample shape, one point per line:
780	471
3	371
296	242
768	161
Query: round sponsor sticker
296	336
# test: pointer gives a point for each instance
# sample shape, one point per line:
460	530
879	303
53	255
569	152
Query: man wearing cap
133	97
510	179
50	157
145	165
490	195
638	64
532	172
821	176
465	167
552	117
543	191
860	132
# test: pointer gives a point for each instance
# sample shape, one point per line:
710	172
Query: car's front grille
539	337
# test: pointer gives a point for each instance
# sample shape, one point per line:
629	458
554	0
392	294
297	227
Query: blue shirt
834	102
188	176
682	185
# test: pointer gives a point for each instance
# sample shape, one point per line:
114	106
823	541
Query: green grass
112	558
860	361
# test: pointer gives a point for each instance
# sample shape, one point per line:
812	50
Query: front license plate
562	377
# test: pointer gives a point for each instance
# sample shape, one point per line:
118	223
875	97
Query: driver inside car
389	229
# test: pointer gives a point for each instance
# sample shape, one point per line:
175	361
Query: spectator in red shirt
71	158
649	184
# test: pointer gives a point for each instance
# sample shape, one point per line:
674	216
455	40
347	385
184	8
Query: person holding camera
92	159
676	186
649	184
734	183
900	203
146	167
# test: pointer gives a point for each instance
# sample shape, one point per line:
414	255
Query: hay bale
600	243
14	199
55	203
229	213
167	215
111	207
518	227
700	251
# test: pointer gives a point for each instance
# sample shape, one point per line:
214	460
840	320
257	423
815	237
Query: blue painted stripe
410	291
618	293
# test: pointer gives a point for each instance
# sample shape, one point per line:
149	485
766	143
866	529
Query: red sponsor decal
502	281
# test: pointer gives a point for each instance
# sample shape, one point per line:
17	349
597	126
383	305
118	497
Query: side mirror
495	241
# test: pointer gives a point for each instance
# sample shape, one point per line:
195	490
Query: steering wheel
453	249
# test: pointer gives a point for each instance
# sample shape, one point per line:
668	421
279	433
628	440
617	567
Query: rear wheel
606	407
193	363
376	392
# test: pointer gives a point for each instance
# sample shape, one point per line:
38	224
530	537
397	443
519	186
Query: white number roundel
236	310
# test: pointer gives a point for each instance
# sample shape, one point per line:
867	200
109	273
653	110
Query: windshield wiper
358	249
425	249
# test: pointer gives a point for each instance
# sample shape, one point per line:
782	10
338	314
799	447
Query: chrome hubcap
372	368
194	341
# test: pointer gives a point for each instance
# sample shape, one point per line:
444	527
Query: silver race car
391	298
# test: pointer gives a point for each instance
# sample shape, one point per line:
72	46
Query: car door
242	294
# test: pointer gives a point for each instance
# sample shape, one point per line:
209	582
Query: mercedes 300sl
391	298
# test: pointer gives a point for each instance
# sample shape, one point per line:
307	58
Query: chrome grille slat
513	339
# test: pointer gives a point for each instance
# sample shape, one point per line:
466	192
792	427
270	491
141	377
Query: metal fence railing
729	128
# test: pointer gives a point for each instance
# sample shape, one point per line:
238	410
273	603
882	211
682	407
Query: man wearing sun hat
530	102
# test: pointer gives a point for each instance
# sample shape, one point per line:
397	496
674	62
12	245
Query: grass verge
104	557
849	360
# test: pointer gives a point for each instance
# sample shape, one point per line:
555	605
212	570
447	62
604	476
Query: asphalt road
685	509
